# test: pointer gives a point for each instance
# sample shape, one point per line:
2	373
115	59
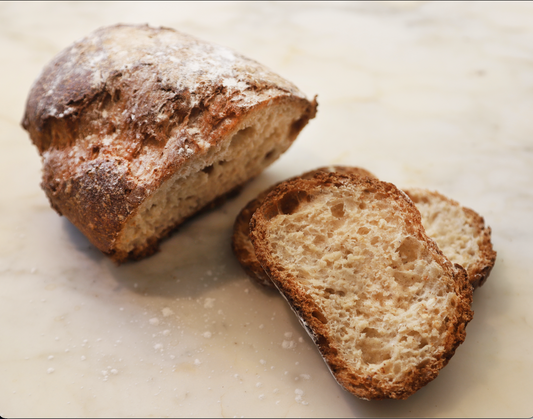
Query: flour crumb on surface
209	303
288	344
299	396
167	312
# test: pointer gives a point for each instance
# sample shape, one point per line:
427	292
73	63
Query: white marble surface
438	95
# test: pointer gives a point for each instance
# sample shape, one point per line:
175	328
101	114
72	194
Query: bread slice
385	307
242	245
460	233
139	128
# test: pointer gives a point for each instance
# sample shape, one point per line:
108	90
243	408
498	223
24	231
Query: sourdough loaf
139	128
242	245
385	307
460	233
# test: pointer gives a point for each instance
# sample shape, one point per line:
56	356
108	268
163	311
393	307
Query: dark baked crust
241	243
121	111
286	198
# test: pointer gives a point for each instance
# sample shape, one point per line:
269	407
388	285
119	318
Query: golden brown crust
285	199
121	111
482	262
241	243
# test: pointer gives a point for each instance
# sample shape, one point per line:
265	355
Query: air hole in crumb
297	126
319	239
319	316
240	137
370	332
404	279
270	154
95	150
363	230
372	348
290	201
330	291
409	250
338	210
208	169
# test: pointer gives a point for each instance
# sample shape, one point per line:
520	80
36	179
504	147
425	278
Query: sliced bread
460	232
385	307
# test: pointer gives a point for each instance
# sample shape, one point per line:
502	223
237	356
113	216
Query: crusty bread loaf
241	243
385	307
139	128
460	233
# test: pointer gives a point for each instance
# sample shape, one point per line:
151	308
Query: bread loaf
460	233
385	307
241	243
139	128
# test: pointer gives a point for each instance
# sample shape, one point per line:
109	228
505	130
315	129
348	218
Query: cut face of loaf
384	306
460	233
241	243
139	128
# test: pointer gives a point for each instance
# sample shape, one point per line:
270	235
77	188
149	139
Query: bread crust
120	112
287	197
242	245
482	261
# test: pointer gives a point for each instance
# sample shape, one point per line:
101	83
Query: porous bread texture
259	140
460	233
141	127
242	245
384	306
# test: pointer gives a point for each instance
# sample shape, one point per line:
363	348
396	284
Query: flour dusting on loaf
139	128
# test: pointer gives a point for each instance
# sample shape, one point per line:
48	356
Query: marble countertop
436	95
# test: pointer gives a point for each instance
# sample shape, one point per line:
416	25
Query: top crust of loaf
411	282
121	111
241	243
460	233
